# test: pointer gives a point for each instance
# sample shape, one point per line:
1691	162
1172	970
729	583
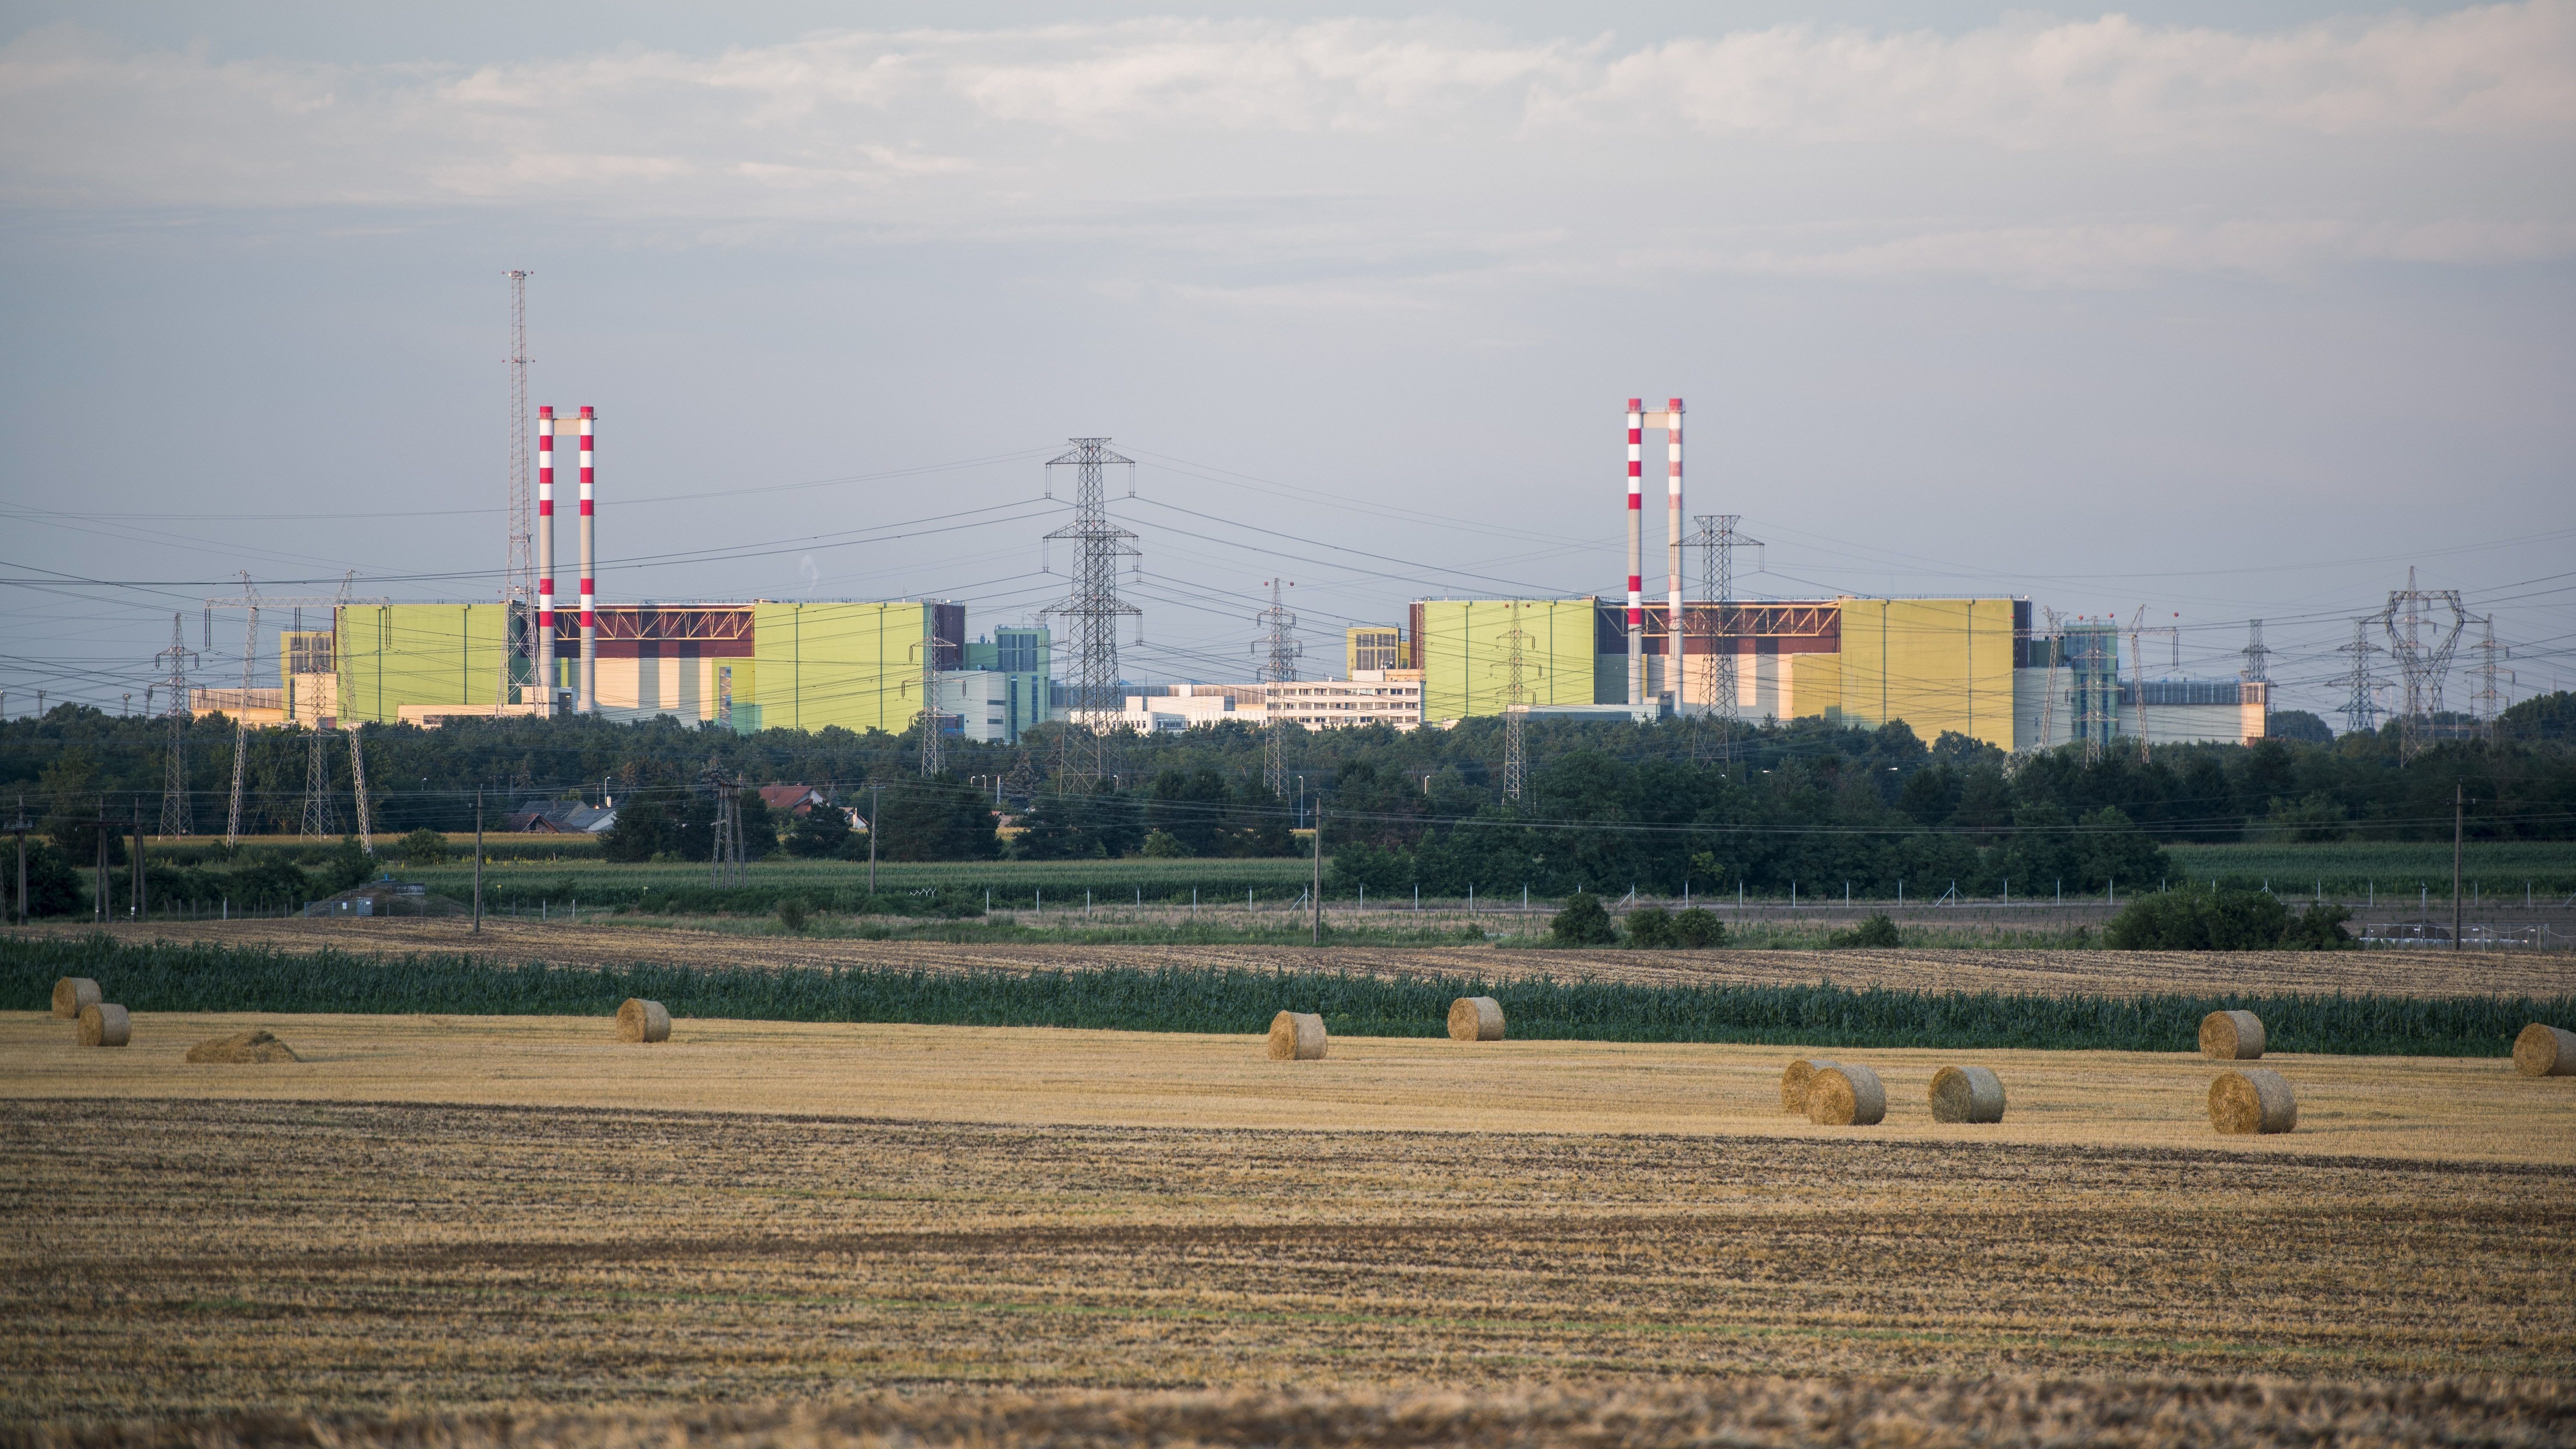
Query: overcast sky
2219	311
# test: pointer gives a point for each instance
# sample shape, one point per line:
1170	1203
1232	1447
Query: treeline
1202	792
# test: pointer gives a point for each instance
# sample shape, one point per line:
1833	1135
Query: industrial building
1973	666
1391	697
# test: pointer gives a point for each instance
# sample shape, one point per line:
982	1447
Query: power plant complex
1983	668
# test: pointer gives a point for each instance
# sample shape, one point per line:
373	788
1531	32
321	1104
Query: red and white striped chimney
1636	551
588	701
545	561
1672	553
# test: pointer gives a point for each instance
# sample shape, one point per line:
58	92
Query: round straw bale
1967	1094
1297	1036
641	1020
261	1045
2252	1100
71	993
105	1024
1793	1083
2231	1036
1475	1018
2545	1051
1846	1096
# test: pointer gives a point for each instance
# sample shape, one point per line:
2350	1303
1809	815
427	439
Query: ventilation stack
545	561
1636	552
1670	420
588	701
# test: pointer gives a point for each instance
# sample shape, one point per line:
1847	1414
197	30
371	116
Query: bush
1582	923
791	912
2230	920
1698	929
820	833
1876	933
1650	928
423	847
53	887
1163	845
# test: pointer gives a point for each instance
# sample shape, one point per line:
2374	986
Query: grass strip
210	978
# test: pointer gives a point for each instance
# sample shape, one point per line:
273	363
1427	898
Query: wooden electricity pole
2459	809
1319	872
478	860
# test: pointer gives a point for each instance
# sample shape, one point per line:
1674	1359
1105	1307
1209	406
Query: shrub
1650	928
2319	928
791	912
1876	933
1697	929
1582	923
2196	920
1163	845
423	847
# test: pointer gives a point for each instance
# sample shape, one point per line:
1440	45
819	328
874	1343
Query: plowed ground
2111	973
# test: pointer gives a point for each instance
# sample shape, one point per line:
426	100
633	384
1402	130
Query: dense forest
1606	805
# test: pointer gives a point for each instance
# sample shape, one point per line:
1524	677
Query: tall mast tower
1091	611
2421	643
518	574
2361	700
176	817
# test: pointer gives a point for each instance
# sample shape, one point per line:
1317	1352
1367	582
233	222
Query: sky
2215	312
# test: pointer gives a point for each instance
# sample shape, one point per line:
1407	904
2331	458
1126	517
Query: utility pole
102	860
142	899
1092	610
176	817
2490	658
876	813
518	574
1320	873
478	860
19	827
2257	658
1281	668
934	756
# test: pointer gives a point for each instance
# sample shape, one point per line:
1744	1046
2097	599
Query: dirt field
2120	973
2423	1108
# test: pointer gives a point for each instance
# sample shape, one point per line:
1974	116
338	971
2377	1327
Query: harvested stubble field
2094	973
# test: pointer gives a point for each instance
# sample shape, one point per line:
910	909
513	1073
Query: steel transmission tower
1280	641
176	817
2361	699
2421	643
518	577
1718	539
934	747
2257	658
320	820
2491	656
1516	642
1091	611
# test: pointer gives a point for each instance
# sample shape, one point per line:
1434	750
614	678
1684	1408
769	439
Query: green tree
1583	922
1698	929
53	887
941	819
1650	928
423	847
819	833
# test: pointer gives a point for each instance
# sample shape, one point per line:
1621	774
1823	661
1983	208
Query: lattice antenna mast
519	572
2491	656
176	817
2421	647
1517	671
2257	658
2361	701
1280	641
1091	611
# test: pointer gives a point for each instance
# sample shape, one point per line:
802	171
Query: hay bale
72	993
2231	1036
105	1025
2251	1101
2545	1051
1793	1083
1967	1094
261	1045
1846	1096
1297	1036
1475	1018
641	1020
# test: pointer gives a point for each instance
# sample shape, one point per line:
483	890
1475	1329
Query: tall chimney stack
1636	552
545	561
1672	554
588	702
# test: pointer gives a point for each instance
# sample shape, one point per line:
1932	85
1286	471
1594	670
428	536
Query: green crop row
163	977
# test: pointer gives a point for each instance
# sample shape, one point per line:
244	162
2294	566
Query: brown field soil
2422	1108
2008	1412
166	1258
2116	973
